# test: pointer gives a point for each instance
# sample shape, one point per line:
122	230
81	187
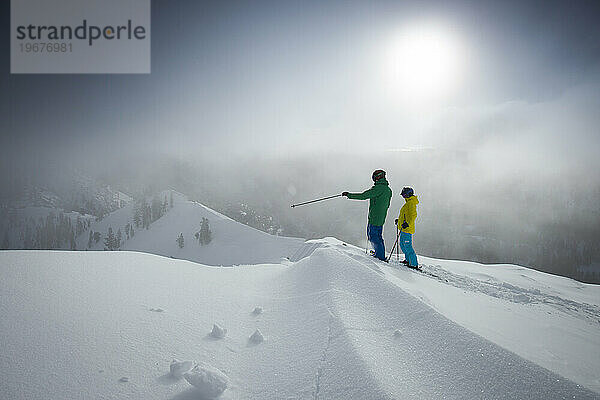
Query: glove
404	225
345	194
396	222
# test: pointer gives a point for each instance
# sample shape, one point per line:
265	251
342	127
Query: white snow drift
339	325
209	382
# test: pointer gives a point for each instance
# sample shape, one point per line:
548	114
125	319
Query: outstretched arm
367	194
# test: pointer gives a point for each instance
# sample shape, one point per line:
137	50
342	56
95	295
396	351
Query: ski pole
397	248
367	232
314	201
395	243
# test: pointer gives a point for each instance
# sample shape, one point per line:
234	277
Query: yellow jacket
408	213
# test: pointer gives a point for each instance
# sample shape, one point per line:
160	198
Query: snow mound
209	381
307	249
179	368
218	332
257	310
257	337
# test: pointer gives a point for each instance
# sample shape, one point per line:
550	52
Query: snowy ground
550	320
335	325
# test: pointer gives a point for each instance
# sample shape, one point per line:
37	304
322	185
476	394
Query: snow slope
335	325
233	243
551	320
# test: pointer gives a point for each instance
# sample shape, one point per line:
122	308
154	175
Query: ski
431	274
420	269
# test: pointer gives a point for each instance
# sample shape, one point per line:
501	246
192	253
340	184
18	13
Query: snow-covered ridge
232	243
335	324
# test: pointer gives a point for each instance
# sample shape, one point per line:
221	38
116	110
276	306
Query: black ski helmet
407	192
378	174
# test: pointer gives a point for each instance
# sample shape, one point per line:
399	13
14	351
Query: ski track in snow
508	292
319	372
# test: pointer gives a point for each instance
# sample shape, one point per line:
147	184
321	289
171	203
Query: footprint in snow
218	332
179	368
257	310
156	310
256	338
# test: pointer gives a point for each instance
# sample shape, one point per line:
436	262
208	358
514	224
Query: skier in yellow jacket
406	224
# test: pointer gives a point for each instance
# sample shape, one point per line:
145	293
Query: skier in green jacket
379	201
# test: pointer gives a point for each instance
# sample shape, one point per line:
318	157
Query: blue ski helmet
407	192
378	174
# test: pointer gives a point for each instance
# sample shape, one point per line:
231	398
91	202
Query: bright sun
423	62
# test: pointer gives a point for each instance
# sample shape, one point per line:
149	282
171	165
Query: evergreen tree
101	214
137	215
144	213
180	241
72	242
205	233
38	237
80	226
97	237
131	231
90	239
164	205
119	239
109	241
147	216
156	209
49	233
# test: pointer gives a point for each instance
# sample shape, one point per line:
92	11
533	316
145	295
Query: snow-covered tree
119	239
180	241
79	227
72	242
109	241
165	204
137	215
156	209
205	235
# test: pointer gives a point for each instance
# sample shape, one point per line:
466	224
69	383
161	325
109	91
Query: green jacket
379	195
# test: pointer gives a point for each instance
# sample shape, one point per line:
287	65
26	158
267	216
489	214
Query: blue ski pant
374	233
407	248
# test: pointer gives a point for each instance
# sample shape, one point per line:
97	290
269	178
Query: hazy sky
505	78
